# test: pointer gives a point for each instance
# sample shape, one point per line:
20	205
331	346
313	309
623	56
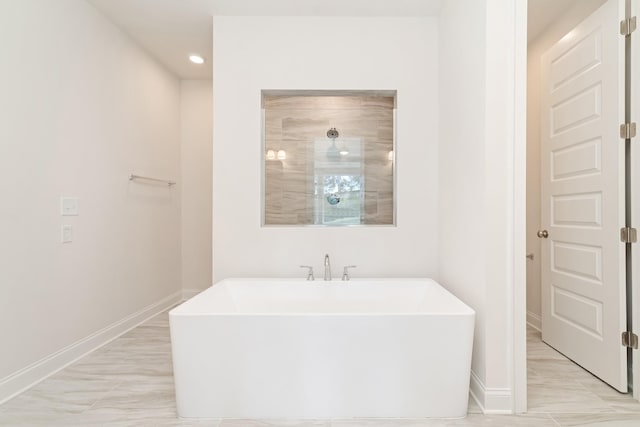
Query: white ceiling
541	14
170	30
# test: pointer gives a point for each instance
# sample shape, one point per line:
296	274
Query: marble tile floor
129	382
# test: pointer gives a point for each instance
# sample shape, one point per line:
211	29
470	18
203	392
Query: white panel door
582	200
635	192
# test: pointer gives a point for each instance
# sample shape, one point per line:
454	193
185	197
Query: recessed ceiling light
196	59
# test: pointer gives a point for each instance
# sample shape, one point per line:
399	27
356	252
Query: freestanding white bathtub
279	348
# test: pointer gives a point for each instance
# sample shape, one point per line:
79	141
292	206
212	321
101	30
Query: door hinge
627	130
630	340
628	235
627	26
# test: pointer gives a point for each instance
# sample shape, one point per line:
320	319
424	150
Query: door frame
519	269
633	9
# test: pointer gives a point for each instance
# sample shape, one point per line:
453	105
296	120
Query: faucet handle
345	272
310	272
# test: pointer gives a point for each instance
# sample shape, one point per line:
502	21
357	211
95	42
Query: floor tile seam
627	412
542	383
537	414
551	370
603	401
554	356
577	382
561	364
574	413
585	412
556	422
613	396
104	396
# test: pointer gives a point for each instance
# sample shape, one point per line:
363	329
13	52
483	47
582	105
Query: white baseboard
29	376
491	400
190	293
534	320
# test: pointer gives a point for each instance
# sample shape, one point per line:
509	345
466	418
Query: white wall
479	182
81	108
196	130
255	53
537	47
462	171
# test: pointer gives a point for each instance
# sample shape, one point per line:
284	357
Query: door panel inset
576	110
580	260
577	210
585	54
578	311
579	159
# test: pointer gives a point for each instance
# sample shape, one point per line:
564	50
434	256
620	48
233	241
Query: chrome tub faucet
327	268
309	272
345	272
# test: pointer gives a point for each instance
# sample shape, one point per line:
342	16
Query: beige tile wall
294	123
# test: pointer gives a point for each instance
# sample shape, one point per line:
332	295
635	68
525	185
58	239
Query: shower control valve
345	272
310	272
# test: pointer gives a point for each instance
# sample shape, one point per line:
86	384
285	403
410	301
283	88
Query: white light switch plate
68	206
67	234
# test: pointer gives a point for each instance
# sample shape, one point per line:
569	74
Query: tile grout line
104	395
554	420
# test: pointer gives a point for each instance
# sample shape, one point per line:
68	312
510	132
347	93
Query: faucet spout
327	268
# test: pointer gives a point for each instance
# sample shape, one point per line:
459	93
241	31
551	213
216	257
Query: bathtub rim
465	310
